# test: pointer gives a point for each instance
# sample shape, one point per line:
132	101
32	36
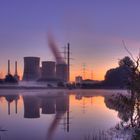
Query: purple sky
94	28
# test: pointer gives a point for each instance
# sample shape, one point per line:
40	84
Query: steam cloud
54	48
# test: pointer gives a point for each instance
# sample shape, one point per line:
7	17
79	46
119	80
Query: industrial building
9	78
62	72
31	68
48	70
78	79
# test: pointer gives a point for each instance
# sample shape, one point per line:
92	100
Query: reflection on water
56	116
128	108
11	98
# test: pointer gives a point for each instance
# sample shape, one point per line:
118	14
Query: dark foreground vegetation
128	106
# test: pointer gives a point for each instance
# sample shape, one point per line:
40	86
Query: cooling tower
48	70
31	68
61	72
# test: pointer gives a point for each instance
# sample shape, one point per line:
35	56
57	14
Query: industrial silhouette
9	78
49	71
31	68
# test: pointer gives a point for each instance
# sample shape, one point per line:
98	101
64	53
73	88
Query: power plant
49	71
9	78
62	68
56	72
31	68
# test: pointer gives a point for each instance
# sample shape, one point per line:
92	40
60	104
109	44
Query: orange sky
97	73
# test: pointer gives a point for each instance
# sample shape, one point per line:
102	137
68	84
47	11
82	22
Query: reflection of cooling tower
48	106
31	68
61	72
48	70
31	107
61	104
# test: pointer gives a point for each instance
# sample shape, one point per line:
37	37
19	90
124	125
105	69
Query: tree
126	62
119	77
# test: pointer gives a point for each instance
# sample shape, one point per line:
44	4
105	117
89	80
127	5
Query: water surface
55	114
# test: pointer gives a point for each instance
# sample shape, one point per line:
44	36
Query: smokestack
16	73
8	67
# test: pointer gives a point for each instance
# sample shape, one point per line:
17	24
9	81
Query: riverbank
28	87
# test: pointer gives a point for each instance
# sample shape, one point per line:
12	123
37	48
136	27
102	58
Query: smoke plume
54	49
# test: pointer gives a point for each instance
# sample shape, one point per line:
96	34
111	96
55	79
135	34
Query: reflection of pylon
91	100
84	106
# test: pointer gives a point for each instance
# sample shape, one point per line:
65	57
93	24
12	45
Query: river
55	114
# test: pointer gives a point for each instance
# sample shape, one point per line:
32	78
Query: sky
94	28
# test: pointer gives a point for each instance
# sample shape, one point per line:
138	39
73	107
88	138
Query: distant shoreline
37	88
26	87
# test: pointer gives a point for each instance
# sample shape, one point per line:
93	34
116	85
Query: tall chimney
16	73
8	67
